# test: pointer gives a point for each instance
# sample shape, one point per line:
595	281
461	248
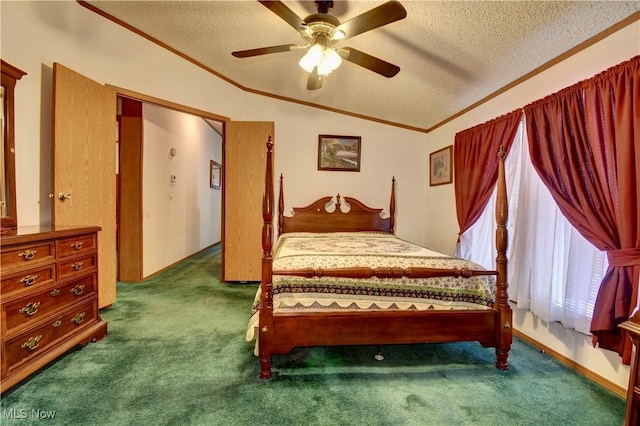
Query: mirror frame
10	76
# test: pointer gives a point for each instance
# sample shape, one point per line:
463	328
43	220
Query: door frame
140	97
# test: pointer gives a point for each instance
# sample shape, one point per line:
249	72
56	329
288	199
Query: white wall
386	152
441	226
181	217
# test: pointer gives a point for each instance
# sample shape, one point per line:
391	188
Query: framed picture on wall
441	166
339	153
215	174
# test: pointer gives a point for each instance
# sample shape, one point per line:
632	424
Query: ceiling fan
321	31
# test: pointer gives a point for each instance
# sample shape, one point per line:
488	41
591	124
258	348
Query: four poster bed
343	278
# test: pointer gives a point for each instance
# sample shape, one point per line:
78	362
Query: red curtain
585	145
475	168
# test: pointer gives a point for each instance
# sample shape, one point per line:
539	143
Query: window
553	271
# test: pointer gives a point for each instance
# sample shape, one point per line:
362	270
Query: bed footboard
365	272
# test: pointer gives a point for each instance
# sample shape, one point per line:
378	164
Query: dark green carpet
176	355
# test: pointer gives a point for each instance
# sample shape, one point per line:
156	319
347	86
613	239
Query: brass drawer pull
77	266
27	254
28	280
30	309
32	343
77	290
77	245
55	292
57	324
78	318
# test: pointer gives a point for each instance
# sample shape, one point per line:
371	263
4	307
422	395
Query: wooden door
243	166
84	165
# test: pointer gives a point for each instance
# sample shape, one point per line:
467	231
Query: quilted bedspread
370	249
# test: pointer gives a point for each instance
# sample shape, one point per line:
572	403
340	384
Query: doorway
167	208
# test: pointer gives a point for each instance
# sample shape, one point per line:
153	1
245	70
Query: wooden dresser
632	416
48	295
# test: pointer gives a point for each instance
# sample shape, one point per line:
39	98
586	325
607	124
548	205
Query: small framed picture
441	166
339	153
215	174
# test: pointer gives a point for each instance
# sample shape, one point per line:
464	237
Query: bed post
502	297
265	332
392	207
281	207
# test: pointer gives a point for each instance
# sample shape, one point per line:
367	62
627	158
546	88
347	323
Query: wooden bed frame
279	333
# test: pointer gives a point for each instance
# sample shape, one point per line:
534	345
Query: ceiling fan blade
264	50
284	12
369	62
315	81
384	14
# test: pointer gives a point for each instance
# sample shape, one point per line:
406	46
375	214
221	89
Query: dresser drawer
25	256
27	280
76	245
28	310
77	265
35	341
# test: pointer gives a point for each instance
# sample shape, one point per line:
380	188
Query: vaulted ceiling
451	54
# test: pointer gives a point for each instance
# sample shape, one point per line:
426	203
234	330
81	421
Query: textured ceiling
452	54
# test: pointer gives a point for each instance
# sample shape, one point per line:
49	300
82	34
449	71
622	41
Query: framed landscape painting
339	153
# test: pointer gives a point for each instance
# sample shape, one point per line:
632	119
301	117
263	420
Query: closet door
84	165
245	154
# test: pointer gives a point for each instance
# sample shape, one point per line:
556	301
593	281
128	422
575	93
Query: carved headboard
316	218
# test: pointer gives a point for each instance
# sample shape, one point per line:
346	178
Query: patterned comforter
371	249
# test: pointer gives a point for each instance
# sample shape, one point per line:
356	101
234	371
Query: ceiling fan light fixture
320	30
338	35
312	58
330	61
